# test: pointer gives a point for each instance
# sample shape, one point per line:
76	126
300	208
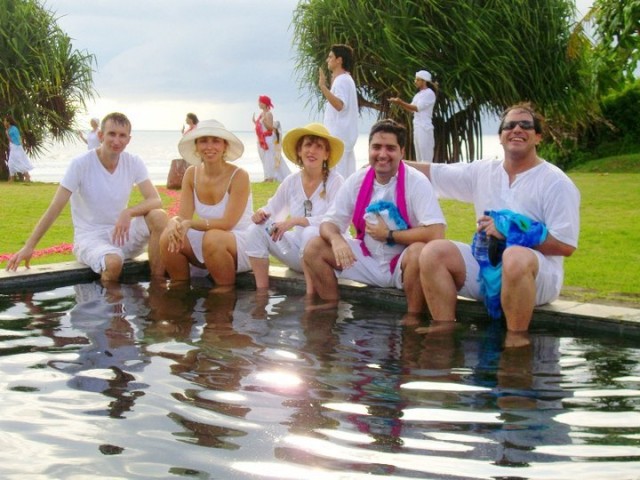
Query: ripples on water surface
144	382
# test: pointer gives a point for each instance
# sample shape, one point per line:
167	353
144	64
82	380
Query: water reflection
155	380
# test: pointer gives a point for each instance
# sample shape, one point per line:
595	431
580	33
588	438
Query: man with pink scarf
394	212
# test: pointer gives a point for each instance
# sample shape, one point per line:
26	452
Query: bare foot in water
311	303
412	319
437	327
516	339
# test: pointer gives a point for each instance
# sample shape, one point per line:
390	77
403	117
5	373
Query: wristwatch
390	240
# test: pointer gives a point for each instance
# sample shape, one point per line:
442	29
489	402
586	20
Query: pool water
146	381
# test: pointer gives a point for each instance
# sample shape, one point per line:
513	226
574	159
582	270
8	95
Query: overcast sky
159	59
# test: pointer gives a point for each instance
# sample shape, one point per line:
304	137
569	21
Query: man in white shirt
422	108
395	212
524	184
106	230
341	112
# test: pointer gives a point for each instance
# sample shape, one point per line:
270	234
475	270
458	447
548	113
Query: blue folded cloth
517	230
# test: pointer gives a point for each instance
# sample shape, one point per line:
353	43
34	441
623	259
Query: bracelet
390	240
206	222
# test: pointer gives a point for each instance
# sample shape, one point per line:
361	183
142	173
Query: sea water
158	148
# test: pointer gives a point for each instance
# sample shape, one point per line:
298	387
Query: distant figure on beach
395	213
268	135
293	214
526	207
209	231
191	121
91	139
19	163
422	108
106	230
341	111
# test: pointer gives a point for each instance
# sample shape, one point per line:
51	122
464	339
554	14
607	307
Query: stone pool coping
562	313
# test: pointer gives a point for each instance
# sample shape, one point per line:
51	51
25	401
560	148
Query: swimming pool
146	381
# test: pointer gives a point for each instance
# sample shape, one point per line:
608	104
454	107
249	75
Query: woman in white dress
219	194
292	216
19	163
268	134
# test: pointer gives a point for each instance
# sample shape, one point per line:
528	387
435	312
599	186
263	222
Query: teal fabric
517	230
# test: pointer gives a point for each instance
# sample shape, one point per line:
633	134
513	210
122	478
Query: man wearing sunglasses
527	187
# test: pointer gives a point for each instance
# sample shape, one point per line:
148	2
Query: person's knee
112	268
518	263
313	250
433	253
156	220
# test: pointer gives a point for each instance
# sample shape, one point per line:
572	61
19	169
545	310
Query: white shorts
91	248
288	250
368	270
548	281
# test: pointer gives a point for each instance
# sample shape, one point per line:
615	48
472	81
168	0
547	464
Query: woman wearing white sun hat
293	214
219	193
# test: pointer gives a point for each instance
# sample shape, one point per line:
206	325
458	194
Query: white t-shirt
98	197
422	206
424	100
344	123
544	194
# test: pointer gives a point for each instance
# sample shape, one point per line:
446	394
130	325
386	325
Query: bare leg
260	267
319	263
442	274
518	296
113	268
220	253
411	278
175	263
156	221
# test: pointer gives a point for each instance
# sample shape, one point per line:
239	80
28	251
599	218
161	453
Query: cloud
169	57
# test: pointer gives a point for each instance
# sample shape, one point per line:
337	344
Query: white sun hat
209	128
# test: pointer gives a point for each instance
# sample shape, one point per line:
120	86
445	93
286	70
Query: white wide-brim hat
290	140
209	128
423	75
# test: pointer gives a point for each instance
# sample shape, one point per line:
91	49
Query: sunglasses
523	124
308	206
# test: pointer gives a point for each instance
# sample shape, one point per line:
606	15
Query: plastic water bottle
285	246
480	248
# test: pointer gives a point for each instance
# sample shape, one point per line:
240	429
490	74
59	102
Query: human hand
121	229
485	224
260	216
25	254
176	230
377	230
322	78
394	100
342	252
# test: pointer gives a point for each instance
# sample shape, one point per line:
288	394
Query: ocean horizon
158	147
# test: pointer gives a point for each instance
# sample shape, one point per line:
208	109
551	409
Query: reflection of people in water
170	312
109	357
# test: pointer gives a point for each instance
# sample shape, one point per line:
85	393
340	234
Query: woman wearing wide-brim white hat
219	194
294	213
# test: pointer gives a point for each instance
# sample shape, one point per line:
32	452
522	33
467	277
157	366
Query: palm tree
44	82
485	55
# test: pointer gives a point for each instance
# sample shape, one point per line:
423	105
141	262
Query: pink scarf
363	200
262	134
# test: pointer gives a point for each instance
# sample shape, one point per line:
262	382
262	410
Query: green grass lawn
603	269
